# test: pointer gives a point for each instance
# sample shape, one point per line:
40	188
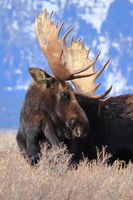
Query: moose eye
64	96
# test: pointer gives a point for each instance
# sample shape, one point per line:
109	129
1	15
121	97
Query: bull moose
57	111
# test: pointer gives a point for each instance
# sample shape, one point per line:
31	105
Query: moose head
68	63
57	99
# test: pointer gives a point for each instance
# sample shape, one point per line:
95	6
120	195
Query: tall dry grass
52	179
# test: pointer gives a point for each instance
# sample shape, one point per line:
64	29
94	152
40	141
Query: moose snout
78	127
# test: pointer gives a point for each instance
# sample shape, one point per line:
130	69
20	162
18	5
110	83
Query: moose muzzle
77	128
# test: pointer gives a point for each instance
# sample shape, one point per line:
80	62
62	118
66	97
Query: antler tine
57	24
51	14
82	76
65	35
45	12
102	95
82	70
79	39
97	85
96	57
88	51
101	70
71	40
60	27
98	54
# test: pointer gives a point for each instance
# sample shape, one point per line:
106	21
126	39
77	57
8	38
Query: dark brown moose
50	110
56	112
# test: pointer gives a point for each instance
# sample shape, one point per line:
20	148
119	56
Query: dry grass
54	181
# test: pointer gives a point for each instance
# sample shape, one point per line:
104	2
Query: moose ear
39	75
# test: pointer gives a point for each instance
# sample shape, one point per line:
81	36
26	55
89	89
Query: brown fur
112	128
51	113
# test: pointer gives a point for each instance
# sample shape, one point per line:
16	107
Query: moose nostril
73	122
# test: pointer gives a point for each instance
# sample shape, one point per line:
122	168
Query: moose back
111	125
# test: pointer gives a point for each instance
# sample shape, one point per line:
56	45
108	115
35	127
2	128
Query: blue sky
105	26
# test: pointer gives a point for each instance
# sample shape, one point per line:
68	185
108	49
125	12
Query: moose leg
33	147
21	143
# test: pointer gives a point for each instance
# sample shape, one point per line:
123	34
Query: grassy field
55	181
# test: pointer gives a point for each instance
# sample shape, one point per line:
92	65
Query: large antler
66	62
